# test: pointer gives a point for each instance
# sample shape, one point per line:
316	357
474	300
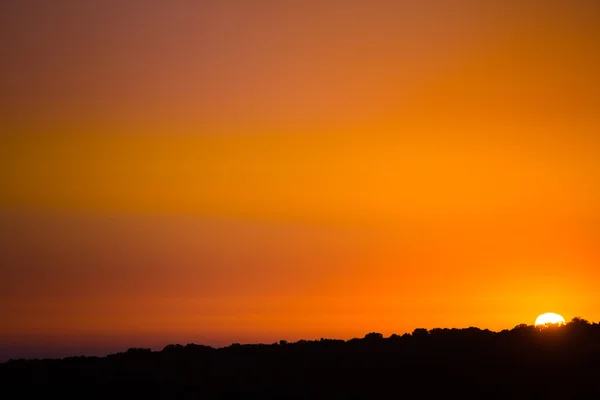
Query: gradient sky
249	171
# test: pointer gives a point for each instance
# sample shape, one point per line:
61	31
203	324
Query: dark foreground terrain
525	362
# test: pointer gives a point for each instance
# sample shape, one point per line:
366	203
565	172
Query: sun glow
549	318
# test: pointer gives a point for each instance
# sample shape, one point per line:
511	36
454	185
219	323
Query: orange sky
255	171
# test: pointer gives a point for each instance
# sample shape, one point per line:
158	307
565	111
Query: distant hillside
525	362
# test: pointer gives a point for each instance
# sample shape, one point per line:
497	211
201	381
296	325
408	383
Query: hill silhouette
561	362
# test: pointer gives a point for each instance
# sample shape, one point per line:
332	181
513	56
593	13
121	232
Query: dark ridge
561	362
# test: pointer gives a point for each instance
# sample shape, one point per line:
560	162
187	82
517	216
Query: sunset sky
227	171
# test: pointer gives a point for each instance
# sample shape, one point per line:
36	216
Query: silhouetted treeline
525	362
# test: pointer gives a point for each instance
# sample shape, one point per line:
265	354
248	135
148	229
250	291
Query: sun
549	318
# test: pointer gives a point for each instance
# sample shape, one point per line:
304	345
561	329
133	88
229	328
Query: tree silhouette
420	333
525	362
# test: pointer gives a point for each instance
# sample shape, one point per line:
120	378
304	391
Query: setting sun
549	318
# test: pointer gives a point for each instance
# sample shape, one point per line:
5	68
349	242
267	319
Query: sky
249	171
